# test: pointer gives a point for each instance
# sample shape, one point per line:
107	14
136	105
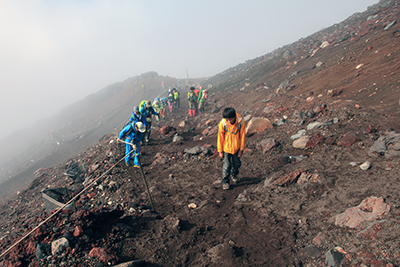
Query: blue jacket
129	132
148	111
135	118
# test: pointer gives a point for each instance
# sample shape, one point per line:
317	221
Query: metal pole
144	179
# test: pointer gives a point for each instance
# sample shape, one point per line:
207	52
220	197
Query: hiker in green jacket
200	100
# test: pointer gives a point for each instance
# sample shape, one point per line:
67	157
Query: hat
201	87
192	88
140	127
148	103
135	109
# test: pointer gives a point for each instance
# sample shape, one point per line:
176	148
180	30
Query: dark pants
148	130
230	166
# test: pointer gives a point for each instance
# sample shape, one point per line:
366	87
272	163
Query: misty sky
55	52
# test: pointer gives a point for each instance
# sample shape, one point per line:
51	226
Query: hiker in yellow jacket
230	144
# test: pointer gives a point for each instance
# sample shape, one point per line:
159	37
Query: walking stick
144	179
147	187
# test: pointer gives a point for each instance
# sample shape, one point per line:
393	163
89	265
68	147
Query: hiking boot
127	164
234	179
225	186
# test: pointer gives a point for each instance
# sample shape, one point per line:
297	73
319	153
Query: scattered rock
59	246
267	144
333	258
365	166
257	125
370	209
301	142
348	139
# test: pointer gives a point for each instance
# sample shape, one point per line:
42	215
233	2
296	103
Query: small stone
192	206
365	166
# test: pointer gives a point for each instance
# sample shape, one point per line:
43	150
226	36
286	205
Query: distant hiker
157	108
177	99
192	102
164	105
201	98
179	82
132	133
196	91
143	87
162	84
170	100
147	110
137	116
230	144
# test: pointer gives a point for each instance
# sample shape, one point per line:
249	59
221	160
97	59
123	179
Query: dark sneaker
234	179
225	186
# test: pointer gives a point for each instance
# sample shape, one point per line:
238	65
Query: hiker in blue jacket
147	110
138	116
132	134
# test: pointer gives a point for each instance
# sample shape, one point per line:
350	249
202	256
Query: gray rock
135	263
59	246
42	251
333	258
390	25
177	138
281	121
319	64
317	124
379	147
298	134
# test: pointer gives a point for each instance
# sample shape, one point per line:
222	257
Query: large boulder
370	209
257	125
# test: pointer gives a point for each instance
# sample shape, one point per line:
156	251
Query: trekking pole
147	187
144	179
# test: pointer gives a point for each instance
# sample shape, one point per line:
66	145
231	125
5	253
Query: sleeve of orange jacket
243	135
221	137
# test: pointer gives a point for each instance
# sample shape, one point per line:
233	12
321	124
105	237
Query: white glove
134	148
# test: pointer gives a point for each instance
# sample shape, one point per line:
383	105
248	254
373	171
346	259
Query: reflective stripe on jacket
228	141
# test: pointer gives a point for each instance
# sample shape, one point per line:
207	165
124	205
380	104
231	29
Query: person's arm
221	140
242	135
124	131
200	96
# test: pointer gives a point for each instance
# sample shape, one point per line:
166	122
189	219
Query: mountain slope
332	202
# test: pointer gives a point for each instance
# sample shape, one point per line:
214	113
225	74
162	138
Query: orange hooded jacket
228	141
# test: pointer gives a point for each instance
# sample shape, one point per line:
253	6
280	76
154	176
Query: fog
54	53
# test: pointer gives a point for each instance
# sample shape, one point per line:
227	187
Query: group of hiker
231	130
196	99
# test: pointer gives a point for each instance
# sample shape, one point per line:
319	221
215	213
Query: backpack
142	104
205	94
192	96
226	127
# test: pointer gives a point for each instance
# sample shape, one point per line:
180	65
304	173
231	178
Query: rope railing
95	181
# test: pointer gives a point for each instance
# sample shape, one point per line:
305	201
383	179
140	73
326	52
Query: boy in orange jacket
230	144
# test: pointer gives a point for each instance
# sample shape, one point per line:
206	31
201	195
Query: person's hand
240	153
134	148
221	155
